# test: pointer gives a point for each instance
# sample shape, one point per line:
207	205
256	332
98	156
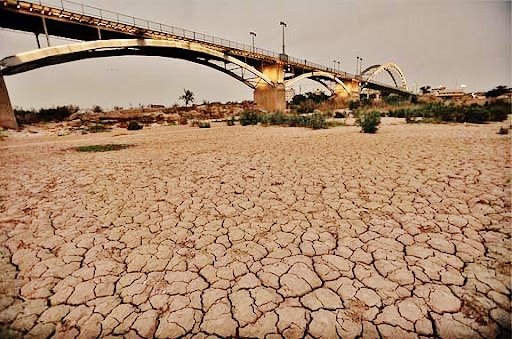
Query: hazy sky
449	42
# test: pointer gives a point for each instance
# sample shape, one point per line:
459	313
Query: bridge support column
342	94
7	117
271	98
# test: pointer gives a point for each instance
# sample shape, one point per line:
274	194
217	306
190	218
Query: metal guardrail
102	14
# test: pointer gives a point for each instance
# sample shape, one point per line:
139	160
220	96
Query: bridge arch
190	51
318	76
394	71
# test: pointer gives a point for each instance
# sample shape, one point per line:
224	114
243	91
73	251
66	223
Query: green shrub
503	130
353	104
249	118
134	125
59	113
231	121
97	109
498	110
203	124
369	121
475	114
339	115
392	99
97	128
278	119
182	120
102	148
307	106
317	121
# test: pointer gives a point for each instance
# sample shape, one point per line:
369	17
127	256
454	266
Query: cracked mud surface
258	232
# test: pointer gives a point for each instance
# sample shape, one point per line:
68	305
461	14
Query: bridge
101	33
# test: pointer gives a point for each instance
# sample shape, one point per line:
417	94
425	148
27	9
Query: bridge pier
271	98
342	94
7	117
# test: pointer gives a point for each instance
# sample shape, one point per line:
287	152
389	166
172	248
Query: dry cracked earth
258	232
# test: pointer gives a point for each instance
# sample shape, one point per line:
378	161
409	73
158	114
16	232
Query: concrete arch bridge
101	33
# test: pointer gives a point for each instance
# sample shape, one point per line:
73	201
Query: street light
334	65
253	35
360	66
357	65
283	24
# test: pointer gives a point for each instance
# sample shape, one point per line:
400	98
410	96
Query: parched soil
258	232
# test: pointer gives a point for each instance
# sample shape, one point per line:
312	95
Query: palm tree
188	96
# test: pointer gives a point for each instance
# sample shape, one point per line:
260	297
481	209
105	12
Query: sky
435	42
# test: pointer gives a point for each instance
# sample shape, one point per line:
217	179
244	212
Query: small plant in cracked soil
203	124
369	121
503	130
134	125
102	148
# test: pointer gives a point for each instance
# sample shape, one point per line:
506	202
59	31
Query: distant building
290	93
156	106
442	92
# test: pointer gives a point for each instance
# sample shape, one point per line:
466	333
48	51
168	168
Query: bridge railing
99	13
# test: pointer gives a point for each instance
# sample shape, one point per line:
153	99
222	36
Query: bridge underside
192	56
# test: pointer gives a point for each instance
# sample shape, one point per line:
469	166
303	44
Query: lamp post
334	61
283	24
357	65
360	65
253	35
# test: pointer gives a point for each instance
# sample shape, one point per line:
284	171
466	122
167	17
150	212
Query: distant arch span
394	71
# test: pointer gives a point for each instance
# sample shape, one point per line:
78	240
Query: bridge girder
189	51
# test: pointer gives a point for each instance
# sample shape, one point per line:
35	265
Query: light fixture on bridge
253	35
359	65
283	24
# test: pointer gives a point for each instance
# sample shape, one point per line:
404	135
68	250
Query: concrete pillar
353	86
7	118
271	98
